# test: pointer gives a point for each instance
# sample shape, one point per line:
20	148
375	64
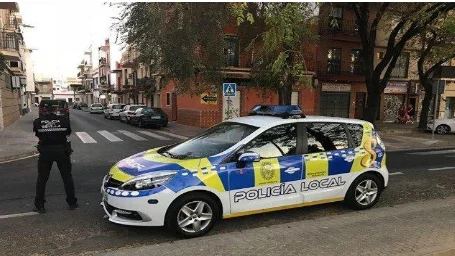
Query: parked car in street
96	108
62	107
248	165
112	111
149	116
82	106
75	105
128	111
442	126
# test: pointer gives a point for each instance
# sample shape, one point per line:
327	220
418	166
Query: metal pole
435	109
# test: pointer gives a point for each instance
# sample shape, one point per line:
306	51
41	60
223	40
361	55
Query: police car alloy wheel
442	129
192	215
364	192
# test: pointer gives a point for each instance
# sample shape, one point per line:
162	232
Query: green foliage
178	39
278	41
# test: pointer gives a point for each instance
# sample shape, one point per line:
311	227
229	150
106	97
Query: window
326	137
334	61
336	18
231	52
356	131
214	141
14	64
380	55
275	142
401	67
168	99
357	64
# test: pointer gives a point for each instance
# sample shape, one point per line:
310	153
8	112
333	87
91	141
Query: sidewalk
421	228
408	136
18	140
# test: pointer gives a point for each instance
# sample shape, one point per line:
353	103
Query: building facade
13	96
211	107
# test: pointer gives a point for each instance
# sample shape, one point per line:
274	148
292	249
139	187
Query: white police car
244	166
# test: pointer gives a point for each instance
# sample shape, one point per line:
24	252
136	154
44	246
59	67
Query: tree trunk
425	108
372	106
285	93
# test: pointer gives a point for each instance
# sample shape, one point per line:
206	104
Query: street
415	176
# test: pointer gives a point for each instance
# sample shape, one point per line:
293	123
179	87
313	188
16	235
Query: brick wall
9	104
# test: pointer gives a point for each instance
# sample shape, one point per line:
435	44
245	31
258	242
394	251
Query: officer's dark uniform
52	131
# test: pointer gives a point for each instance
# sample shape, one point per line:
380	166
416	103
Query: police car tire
350	199
174	208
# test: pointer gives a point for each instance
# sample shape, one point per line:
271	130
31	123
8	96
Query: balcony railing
339	26
9	41
341	68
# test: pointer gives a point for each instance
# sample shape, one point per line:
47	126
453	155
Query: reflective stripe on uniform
53	130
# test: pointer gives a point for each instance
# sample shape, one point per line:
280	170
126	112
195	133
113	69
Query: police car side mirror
249	157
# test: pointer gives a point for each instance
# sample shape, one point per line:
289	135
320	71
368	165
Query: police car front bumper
124	208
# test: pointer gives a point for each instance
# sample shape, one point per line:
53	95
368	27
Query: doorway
359	104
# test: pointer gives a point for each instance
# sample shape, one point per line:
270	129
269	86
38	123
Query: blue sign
229	89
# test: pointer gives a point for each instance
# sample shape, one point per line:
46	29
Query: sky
63	31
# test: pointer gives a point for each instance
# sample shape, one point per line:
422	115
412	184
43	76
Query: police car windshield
213	141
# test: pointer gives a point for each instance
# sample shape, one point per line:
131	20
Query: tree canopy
177	39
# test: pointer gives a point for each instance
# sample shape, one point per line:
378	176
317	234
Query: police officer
53	146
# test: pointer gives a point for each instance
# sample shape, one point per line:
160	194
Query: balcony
342	70
338	27
9	42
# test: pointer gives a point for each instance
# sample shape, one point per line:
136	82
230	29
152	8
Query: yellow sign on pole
207	98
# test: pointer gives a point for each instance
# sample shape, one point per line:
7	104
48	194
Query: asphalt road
417	176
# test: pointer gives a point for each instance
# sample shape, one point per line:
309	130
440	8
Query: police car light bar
284	111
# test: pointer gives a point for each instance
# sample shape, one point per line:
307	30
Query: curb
18	157
421	149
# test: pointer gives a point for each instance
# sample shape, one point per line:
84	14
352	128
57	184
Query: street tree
437	46
180	40
279	32
405	21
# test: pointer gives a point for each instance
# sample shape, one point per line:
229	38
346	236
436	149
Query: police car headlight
149	181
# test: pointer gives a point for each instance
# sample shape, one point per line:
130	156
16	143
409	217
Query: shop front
393	99
335	99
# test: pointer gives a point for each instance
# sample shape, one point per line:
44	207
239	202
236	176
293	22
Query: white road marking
173	135
395	173
17	215
132	135
22	158
156	136
442	168
434	152
109	136
85	137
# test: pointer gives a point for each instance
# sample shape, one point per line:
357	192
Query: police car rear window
356	131
59	103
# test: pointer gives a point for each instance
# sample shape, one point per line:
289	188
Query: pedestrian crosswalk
124	135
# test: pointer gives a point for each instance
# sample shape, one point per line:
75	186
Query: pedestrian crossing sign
229	89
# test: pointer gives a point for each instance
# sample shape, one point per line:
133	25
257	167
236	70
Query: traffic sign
229	89
209	99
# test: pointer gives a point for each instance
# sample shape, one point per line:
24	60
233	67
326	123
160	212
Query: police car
248	165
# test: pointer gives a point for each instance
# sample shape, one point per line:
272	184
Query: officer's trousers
48	155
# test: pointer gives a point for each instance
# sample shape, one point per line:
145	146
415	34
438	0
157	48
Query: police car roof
267	121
